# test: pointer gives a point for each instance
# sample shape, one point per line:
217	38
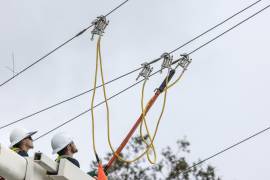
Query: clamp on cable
146	71
99	26
184	61
167	61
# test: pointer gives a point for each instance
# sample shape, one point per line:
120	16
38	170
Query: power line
153	61
113	10
86	111
58	47
210	29
159	71
214	27
243	140
64	101
226	149
238	24
116	8
43	57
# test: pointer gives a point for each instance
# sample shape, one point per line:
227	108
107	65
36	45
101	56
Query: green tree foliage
172	165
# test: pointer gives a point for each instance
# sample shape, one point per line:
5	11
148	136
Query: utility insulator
99	26
167	61
184	61
146	71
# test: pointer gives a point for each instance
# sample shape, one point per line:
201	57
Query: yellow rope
158	122
177	80
93	100
150	145
108	116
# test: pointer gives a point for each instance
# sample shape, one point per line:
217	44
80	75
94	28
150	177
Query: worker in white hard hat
21	141
63	145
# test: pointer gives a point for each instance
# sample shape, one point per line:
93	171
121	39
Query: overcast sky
223	97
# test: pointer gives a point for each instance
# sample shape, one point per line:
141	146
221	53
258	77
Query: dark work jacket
20	152
23	154
72	160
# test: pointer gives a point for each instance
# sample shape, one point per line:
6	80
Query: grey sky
224	96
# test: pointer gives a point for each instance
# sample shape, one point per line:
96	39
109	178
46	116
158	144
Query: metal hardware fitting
146	71
167	61
100	24
184	61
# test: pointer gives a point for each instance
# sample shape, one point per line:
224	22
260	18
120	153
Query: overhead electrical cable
144	121
150	103
124	75
243	21
214	27
58	47
227	149
233	27
88	110
100	66
167	62
64	101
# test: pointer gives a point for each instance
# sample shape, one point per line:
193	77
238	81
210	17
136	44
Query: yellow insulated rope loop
106	101
163	107
157	125
177	80
108	115
143	122
93	99
150	145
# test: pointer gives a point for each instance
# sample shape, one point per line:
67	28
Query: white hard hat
19	134
60	141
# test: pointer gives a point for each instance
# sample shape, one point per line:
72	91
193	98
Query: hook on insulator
167	61
184	61
100	24
146	71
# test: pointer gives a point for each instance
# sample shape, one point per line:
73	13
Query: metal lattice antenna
13	65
